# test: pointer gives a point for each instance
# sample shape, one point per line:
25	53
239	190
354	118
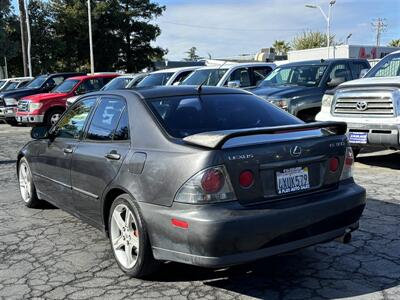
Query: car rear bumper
31	119
229	234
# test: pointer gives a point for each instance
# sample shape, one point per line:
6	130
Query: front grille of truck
365	103
23	105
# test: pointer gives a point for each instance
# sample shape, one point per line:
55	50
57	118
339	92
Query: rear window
184	116
155	79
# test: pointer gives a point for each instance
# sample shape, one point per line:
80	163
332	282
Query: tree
394	43
309	40
9	36
281	47
192	54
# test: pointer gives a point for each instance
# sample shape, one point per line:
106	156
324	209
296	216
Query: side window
340	72
242	75
72	123
260	73
105	119
357	67
122	131
181	77
59	79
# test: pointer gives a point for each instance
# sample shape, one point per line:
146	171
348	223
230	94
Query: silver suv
370	106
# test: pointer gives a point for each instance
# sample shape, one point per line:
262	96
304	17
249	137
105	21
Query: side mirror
39	133
335	82
176	83
234	84
363	72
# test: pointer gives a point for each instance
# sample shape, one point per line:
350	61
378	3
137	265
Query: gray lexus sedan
206	176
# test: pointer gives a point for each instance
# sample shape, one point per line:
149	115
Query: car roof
235	65
174	70
94	76
322	61
187	90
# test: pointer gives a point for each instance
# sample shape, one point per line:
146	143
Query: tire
130	238
356	151
26	185
13	123
53	116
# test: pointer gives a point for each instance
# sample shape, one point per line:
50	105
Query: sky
223	28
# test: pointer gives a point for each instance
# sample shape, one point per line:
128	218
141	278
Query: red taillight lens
246	179
212	181
333	164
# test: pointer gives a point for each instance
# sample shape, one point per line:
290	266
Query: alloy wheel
25	182
124	236
54	118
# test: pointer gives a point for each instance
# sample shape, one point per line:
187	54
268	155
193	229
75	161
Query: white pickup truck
370	106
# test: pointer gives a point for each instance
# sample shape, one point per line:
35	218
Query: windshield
301	75
66	87
389	66
12	85
155	79
209	77
37	82
117	83
187	115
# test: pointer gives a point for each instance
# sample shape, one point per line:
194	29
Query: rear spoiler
216	139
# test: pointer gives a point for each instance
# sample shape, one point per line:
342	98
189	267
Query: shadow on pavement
387	160
370	263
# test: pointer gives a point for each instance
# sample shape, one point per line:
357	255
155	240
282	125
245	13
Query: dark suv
41	84
298	87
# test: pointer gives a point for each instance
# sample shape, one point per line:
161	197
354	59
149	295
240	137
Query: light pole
328	20
90	38
28	30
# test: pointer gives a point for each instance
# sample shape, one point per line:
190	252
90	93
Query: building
341	51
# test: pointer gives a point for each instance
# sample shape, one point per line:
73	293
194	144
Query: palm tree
394	43
281	47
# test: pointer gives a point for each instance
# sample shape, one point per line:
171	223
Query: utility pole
22	19
90	38
28	31
379	25
5	67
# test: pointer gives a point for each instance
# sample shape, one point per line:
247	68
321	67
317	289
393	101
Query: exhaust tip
346	238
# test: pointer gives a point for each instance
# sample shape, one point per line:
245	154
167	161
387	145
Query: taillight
212	181
246	179
347	171
208	186
333	164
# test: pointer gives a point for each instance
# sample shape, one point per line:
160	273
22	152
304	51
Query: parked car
124	81
240	75
166	77
13	83
370	106
41	84
47	108
298	87
206	176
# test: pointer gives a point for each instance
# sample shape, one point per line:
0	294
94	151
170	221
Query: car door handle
68	150
113	155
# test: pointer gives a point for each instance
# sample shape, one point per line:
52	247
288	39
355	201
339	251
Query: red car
47	108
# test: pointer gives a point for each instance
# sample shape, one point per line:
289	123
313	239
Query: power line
379	25
229	29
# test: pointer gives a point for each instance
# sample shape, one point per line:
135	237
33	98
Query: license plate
358	137
292	180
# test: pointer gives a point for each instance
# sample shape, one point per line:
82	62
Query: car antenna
205	80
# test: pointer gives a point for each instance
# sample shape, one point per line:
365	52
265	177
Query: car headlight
10	101
34	106
282	103
326	103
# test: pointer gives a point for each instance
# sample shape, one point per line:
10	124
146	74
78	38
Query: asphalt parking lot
48	254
